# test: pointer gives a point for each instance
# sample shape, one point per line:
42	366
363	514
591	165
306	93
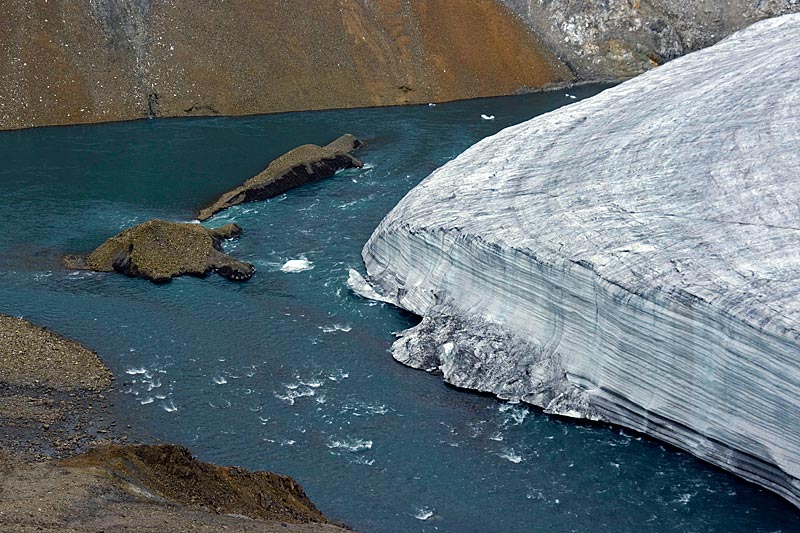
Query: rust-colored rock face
64	62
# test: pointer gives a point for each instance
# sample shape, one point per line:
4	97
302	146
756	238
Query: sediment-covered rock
31	354
616	39
172	472
54	404
296	167
159	250
634	257
66	62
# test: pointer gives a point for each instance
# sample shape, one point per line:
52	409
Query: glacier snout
634	257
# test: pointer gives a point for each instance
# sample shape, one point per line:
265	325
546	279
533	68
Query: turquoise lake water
290	371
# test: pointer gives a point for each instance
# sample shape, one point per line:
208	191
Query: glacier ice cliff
632	258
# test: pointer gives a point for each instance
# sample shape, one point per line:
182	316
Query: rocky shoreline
68	461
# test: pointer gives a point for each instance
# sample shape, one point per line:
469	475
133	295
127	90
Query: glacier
632	258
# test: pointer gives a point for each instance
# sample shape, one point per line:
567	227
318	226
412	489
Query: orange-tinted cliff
64	62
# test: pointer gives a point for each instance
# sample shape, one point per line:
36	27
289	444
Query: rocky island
159	250
632	258
296	167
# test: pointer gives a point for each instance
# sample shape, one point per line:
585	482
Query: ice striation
633	258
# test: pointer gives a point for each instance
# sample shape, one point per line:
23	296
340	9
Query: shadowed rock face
159	250
297	167
66	62
616	39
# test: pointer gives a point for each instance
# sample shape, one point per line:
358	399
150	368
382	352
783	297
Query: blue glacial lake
290	371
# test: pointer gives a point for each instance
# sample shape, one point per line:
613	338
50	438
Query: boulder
297	167
158	250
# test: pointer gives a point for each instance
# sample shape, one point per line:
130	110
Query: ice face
634	257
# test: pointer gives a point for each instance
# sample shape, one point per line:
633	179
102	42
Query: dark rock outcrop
617	39
297	167
158	250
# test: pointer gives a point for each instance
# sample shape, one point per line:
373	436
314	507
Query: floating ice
509	455
219	380
487	117
297	265
514	413
423	513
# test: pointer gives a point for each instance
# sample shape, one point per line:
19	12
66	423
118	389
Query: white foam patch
365	409
509	455
338	375
297	265
350	444
219	380
336	327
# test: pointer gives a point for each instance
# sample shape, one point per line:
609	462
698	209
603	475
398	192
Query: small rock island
296	167
159	250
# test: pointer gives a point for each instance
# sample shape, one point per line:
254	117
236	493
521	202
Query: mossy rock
297	167
159	250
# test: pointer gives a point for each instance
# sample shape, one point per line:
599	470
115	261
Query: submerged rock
297	167
633	258
159	251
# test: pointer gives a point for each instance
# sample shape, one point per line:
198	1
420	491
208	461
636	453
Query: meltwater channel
290	371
